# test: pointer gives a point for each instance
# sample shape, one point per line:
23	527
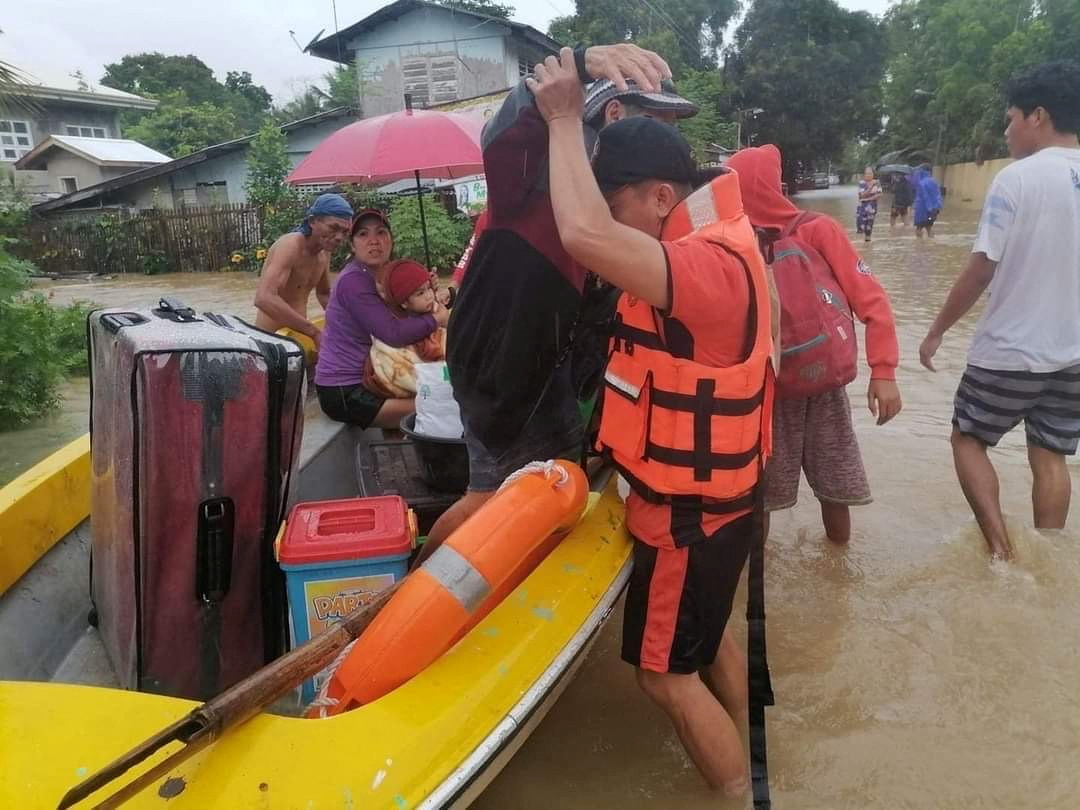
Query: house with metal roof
435	53
71	163
215	175
67	107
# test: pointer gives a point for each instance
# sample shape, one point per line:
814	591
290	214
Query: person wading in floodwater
1024	362
299	262
692	338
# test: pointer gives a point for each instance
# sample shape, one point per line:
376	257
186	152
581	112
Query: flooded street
909	672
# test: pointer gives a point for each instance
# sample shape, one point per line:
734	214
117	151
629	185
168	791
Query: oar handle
237	704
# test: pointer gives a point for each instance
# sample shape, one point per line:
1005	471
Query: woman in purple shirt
356	313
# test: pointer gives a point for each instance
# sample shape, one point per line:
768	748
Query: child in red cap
409	293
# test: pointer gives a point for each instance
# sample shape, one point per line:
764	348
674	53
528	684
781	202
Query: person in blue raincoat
927	201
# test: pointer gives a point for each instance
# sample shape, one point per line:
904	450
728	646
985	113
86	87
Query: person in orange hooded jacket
815	434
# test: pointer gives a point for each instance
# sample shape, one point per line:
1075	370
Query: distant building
215	175
71	110
435	53
72	163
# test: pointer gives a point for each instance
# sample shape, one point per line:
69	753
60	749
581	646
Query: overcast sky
54	38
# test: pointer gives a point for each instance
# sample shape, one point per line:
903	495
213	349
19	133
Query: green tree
189	97
713	123
280	207
249	101
685	32
178	127
816	71
156	75
500	10
948	59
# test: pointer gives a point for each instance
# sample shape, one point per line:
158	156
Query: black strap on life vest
708	506
760	684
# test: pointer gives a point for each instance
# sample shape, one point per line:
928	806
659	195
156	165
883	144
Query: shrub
30	366
39	344
447	235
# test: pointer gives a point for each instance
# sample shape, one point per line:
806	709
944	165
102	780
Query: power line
694	46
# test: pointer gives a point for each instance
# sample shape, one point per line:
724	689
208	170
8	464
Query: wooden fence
185	240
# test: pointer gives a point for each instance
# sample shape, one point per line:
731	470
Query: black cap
636	149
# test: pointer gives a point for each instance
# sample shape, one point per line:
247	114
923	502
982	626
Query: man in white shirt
1024	362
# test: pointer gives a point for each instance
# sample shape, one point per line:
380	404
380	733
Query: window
313	188
14	139
430	79
86	132
69	185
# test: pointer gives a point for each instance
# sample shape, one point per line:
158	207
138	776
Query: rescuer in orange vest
687	399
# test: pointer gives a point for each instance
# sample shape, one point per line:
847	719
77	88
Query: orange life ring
460	583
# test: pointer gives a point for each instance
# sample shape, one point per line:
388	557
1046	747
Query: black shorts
899	210
990	403
353	404
679	600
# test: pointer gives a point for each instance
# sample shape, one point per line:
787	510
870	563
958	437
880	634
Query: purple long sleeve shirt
354	315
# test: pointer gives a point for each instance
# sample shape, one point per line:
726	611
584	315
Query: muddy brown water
909	672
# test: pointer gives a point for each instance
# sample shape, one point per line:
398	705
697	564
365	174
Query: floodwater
216	292
909	672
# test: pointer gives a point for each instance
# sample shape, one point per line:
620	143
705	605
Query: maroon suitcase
195	424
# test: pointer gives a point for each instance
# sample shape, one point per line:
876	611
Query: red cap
365	214
403	278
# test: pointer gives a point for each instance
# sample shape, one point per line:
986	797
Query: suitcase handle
115	321
214	549
174	309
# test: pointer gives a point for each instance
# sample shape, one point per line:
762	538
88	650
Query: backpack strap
801	219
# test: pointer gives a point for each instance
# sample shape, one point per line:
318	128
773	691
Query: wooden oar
231	708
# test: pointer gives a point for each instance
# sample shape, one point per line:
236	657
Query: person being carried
903	195
299	262
692	337
1024	361
928	201
388	371
815	433
509	345
355	315
866	211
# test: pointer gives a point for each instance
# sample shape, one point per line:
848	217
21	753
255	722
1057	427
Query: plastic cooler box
337	555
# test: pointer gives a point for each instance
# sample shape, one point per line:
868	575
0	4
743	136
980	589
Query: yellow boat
436	741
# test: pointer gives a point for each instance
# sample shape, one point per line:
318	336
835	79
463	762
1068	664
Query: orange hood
759	173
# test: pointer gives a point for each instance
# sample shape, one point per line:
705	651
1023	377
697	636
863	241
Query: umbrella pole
423	221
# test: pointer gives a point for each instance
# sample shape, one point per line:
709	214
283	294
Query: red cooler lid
349	529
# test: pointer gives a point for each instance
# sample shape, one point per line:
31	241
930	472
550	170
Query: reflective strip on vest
459	576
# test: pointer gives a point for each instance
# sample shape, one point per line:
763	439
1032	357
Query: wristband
579	61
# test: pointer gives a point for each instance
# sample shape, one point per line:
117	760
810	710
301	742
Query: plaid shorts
990	403
815	435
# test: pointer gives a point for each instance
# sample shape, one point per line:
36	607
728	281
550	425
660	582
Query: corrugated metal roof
112	150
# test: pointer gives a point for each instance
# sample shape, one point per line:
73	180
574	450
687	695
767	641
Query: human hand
441	313
625	61
316	337
556	87
928	348
442	295
883	399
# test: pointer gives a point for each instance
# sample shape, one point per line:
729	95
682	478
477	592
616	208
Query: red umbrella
410	143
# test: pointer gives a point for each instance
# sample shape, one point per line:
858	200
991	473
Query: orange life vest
675	428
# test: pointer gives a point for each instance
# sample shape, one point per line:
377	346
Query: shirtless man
299	262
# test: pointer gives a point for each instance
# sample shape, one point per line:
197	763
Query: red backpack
818	350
